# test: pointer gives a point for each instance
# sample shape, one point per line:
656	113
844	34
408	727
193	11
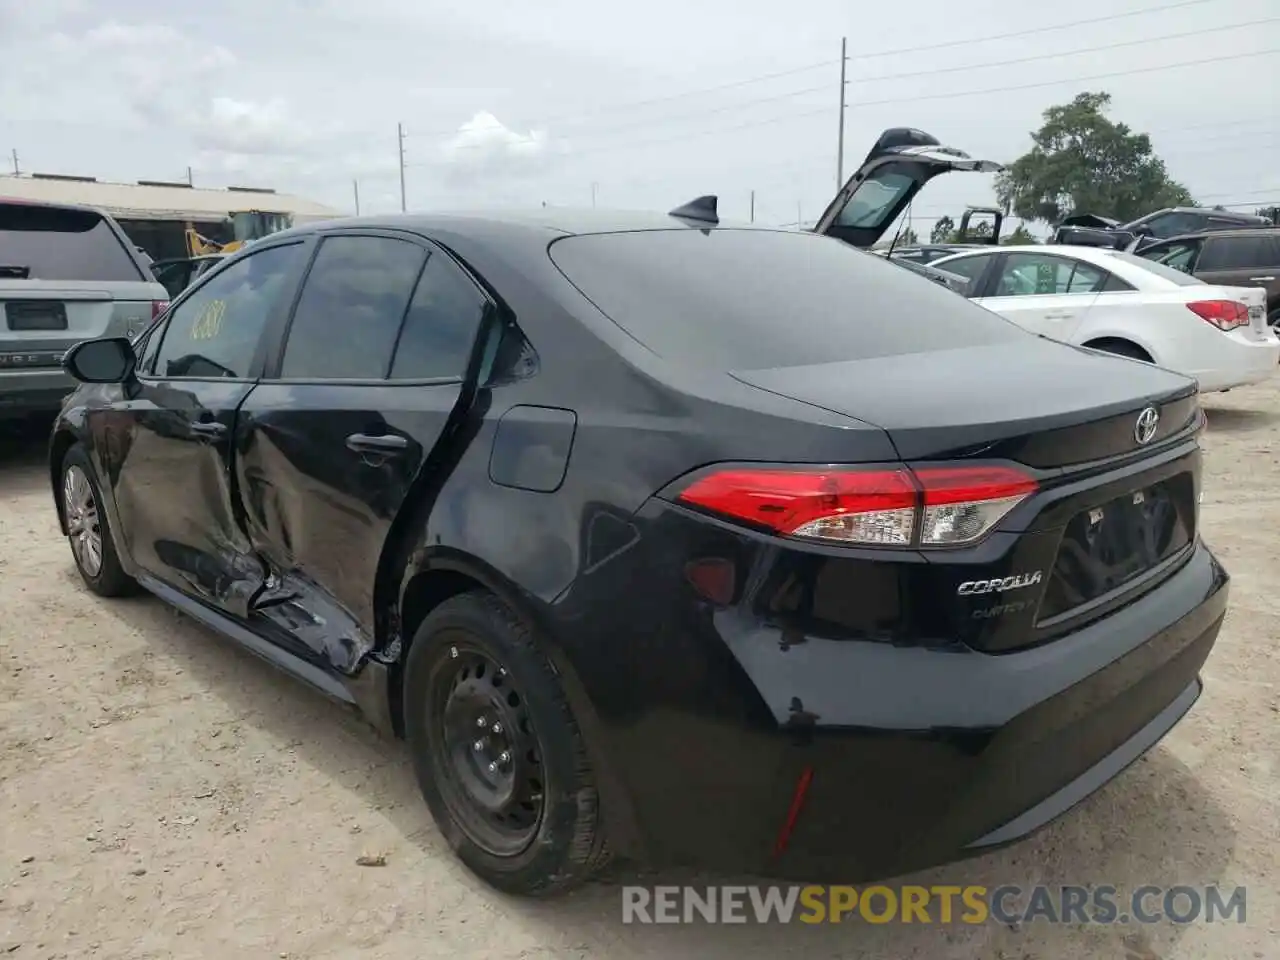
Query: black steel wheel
498	754
483	743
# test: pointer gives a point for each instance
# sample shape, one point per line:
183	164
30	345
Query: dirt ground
163	794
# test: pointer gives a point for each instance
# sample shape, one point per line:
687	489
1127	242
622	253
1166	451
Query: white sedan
1124	304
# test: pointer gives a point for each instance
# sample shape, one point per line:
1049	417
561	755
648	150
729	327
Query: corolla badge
1000	584
1145	427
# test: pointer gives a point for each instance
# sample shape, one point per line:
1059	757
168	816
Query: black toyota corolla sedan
660	537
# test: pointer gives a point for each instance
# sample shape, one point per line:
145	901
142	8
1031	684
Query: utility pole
16	171
844	64
400	137
594	188
753	206
355	186
799	217
190	181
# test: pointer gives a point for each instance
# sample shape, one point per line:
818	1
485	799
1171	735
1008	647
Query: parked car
1237	258
66	274
1124	304
621	522
1089	230
178	273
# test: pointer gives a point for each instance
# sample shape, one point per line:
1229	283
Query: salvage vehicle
661	537
1124	304
67	273
1238	258
1094	231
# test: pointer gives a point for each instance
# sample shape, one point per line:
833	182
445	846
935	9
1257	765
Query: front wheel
498	755
88	532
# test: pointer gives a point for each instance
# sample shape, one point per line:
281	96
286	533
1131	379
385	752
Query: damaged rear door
167	443
902	161
363	384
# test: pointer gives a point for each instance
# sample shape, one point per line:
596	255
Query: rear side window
756	299
351	308
443	320
1236	253
971	268
1162	270
50	243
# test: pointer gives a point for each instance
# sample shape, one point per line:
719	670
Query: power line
761	78
1070	53
924	73
944	95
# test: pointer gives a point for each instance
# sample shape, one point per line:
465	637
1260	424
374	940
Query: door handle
383	443
1058	316
208	429
1262	279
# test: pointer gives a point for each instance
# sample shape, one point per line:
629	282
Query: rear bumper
1236	360
912	757
24	392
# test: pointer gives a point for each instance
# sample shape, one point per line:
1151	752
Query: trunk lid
898	166
1038	402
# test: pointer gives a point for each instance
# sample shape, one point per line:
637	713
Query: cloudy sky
639	105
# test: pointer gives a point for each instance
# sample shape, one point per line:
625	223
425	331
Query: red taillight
158	307
887	506
1223	314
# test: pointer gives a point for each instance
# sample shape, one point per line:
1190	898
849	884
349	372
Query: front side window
215	332
351	308
1035	274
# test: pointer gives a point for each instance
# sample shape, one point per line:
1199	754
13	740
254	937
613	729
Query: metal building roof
155	200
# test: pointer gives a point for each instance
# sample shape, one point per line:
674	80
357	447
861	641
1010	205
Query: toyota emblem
1145	427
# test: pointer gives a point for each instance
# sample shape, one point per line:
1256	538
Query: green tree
942	230
1020	235
908	237
1082	162
1271	213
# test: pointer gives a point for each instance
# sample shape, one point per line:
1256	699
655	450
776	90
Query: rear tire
498	755
88	529
1273	321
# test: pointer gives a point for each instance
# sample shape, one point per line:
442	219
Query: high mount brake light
1224	314
885	506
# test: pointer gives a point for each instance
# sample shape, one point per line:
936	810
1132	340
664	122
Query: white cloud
483	148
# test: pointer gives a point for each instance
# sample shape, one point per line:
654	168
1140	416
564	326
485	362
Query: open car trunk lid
898	166
1043	404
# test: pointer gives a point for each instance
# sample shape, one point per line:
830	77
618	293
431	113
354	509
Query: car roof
1204	234
78	207
551	221
1098	255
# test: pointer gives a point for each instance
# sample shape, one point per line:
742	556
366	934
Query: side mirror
110	360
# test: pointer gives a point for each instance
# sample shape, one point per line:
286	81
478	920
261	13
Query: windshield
1171	274
57	243
756	299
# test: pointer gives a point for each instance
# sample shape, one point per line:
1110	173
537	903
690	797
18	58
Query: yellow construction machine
246	226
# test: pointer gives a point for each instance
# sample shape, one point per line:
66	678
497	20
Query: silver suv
66	274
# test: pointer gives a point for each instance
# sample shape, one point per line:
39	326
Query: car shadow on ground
1239	419
1155	824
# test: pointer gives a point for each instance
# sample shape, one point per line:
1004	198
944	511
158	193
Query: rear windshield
756	299
1165	272
47	243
